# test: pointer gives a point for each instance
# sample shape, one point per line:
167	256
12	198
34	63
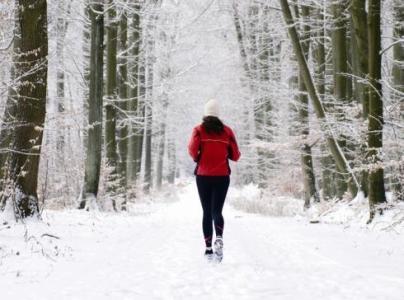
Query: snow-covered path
159	256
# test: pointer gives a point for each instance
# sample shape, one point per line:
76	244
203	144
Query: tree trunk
360	33
172	160
86	67
375	129
141	113
148	119
29	101
123	130
59	177
398	84
111	99
60	79
150	60
6	133
333	146
361	51
148	141
398	49
94	147
133	104
165	77
339	48
319	58
162	139
339	51
310	191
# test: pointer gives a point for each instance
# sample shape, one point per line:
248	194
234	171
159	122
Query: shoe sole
219	249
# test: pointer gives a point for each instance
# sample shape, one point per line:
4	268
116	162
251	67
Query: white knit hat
211	108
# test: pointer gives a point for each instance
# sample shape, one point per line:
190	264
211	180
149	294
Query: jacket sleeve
234	153
194	144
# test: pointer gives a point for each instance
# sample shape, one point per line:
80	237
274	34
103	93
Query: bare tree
332	143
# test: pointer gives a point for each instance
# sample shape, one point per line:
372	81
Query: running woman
211	146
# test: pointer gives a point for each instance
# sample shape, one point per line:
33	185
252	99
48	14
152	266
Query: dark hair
212	124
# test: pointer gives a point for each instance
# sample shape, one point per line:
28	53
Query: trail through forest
159	255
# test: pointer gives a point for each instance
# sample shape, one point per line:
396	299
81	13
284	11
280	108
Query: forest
98	99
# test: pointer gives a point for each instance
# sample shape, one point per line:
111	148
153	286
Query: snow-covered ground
155	252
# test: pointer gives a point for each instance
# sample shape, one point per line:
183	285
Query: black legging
212	192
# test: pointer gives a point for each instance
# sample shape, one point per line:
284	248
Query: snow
154	251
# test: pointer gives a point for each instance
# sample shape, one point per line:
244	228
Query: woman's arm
194	144
234	153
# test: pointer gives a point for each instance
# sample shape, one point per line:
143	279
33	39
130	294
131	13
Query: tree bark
94	144
149	111
123	129
172	160
340	69
86	67
360	54
375	128
60	78
166	77
132	168
360	34
141	112
309	182
150	60
111	101
6	133
29	101
319	58
398	49
398	84
339	49
162	140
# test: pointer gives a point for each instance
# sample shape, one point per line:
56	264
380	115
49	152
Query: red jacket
212	151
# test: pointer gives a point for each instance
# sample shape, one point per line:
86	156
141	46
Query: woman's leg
219	196
205	195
